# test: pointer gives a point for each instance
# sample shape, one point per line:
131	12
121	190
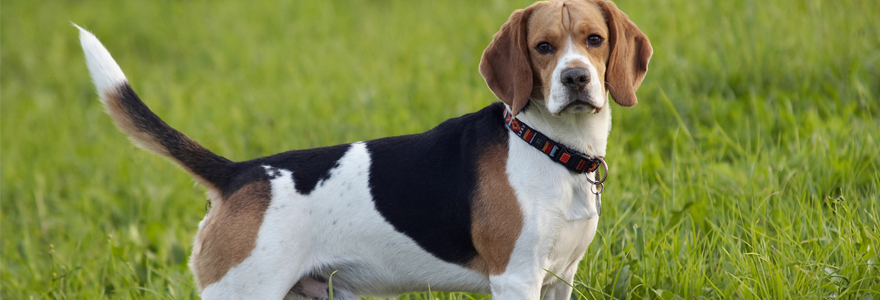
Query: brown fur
496	216
505	62
621	60
230	232
630	53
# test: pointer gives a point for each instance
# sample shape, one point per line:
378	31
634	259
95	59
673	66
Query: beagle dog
497	201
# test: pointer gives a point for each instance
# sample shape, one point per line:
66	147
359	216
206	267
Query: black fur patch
423	183
309	167
204	163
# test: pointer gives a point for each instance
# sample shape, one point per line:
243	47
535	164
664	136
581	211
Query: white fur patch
558	99
105	73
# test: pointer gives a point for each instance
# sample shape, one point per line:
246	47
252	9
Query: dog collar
572	159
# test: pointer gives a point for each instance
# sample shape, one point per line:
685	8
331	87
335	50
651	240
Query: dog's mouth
580	103
581	107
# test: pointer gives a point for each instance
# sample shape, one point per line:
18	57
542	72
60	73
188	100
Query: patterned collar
572	159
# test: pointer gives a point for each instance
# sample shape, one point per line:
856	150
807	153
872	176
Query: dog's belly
336	227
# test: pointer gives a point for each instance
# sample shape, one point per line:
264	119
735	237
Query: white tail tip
106	74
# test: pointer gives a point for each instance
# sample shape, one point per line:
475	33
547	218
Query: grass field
749	170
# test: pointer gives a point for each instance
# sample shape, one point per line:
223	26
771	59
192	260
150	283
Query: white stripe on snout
558	95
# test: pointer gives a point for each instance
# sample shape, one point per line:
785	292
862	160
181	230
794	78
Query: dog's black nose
575	78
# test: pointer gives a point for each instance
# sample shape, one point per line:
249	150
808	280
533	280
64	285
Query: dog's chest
545	188
558	205
568	249
575	227
584	204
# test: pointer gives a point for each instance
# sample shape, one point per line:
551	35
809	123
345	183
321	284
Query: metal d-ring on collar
598	186
600	181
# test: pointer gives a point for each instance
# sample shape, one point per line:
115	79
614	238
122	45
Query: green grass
749	170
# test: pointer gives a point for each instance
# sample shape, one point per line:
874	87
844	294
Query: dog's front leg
524	274
515	285
559	289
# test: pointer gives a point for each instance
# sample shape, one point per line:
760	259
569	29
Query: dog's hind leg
252	245
266	273
261	276
251	280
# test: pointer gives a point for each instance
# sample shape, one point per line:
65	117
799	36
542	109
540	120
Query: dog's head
566	54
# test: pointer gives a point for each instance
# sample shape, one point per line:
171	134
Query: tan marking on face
497	219
230	232
565	25
589	20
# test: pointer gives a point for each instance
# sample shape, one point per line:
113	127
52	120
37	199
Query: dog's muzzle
575	81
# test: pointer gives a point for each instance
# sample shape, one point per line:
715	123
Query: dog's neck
585	132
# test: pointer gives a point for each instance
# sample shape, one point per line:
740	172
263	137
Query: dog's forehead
566	17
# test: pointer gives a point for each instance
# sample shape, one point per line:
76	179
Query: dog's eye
594	40
544	48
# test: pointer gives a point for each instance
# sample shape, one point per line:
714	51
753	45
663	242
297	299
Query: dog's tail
146	129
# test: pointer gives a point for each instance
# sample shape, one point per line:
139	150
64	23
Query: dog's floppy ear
630	52
505	64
